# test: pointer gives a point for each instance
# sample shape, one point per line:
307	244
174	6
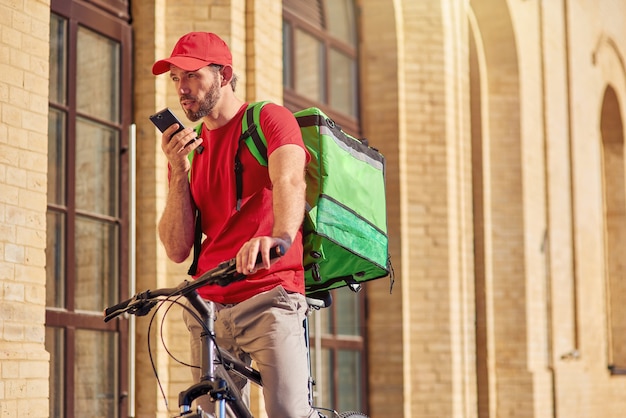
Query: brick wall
23	183
539	77
420	345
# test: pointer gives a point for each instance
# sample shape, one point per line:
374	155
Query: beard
206	104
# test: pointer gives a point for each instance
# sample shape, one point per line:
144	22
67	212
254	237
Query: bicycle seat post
208	378
207	312
208	343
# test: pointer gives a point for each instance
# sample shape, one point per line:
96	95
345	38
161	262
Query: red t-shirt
226	229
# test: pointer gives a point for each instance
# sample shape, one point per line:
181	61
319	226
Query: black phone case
164	119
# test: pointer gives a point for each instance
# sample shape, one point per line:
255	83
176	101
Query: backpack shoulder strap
198	130
252	136
197	240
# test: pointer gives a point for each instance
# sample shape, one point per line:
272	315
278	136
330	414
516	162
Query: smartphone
164	119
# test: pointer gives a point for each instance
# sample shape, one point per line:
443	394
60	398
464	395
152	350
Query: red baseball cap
194	51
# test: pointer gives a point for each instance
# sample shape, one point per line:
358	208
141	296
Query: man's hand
248	253
178	146
176	226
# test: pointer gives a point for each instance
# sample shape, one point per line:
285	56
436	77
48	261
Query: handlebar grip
115	308
275	252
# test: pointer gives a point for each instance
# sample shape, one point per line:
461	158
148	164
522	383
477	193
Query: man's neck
223	112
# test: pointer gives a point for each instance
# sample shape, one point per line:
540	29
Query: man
260	317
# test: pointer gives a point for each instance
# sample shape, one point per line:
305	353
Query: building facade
501	123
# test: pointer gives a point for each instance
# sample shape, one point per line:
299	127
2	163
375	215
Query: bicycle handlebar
223	275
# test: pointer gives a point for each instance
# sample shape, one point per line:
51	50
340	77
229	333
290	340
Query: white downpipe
132	238
319	379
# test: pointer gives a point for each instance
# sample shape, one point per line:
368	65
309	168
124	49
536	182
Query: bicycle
216	363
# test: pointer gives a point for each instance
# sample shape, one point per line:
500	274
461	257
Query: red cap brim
185	63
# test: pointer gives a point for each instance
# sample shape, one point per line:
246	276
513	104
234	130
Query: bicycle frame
212	356
218	385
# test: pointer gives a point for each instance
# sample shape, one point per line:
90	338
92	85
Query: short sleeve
280	128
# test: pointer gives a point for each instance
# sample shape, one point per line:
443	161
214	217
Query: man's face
198	91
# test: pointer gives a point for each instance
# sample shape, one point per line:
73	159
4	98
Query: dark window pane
58	59
347	305
57	150
97	171
287	57
349	380
343	87
95	371
309	63
55	259
320	322
341	22
97	250
322	366
98	76
56	348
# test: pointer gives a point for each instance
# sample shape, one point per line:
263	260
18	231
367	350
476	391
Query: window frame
295	101
111	21
333	341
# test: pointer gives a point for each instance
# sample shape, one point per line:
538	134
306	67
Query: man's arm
286	170
176	227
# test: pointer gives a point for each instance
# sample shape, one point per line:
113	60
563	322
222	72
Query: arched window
612	131
320	69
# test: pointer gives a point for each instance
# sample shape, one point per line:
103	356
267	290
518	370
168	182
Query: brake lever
144	307
140	305
220	275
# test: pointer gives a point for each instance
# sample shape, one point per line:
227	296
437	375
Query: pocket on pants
295	301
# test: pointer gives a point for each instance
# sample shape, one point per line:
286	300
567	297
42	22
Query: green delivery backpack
345	225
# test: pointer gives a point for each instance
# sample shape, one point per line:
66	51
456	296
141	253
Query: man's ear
227	75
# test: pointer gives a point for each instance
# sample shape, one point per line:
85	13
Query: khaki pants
266	328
